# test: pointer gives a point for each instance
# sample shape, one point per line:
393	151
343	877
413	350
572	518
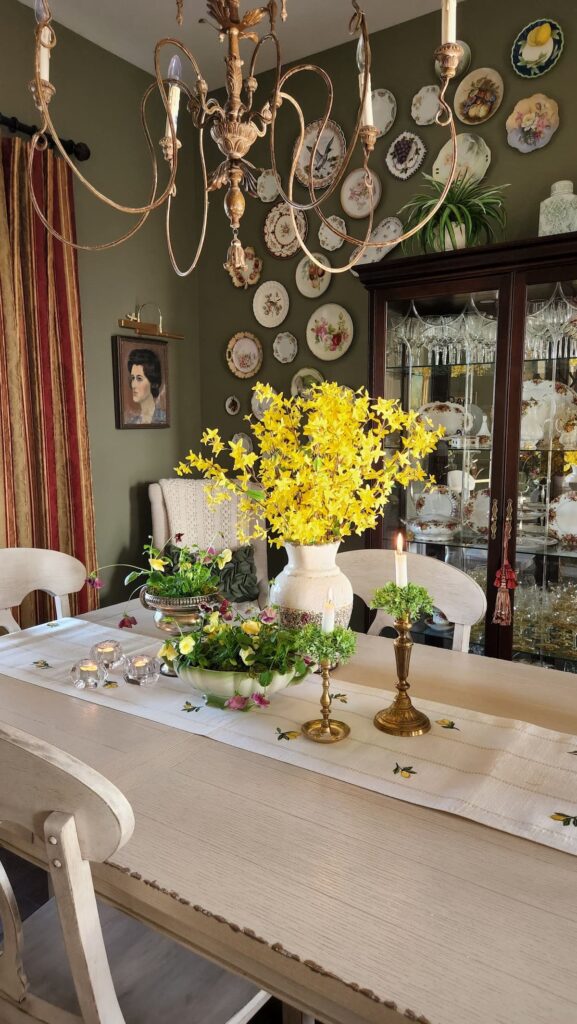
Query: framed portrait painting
141	390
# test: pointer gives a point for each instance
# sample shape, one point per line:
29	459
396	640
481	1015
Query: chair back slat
454	593
23	570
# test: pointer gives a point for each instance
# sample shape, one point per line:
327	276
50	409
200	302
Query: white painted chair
23	570
100	966
453	592
181	506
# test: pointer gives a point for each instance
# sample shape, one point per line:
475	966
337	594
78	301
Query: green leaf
132	576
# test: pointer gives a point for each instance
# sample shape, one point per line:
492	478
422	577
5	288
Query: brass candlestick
325	729
401	718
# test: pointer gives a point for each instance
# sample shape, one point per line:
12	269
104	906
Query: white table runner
507	774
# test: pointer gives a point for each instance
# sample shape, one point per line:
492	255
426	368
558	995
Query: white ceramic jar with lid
558	213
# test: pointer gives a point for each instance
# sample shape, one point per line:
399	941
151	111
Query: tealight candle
328	621
107	653
401	568
86	674
141	670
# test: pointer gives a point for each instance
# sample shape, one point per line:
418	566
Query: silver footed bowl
175	615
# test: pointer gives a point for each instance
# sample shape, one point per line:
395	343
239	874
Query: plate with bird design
330	153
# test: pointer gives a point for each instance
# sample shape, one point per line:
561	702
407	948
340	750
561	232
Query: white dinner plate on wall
330	331
270	304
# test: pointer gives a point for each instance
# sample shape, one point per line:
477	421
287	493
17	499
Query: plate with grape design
405	155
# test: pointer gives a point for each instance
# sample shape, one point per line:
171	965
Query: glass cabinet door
545	605
440	360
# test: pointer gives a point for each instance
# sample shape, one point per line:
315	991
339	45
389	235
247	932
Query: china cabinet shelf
482	325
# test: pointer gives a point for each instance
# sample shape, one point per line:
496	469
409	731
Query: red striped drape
46	496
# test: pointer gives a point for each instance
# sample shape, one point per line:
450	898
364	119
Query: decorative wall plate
356	198
330	331
244	354
285	347
479	96
245	439
327	238
473	158
537	48
563	518
449	415
232	405
303	379
476	512
270	304
405	155
384	110
311	281
279	235
267	188
259	405
433	529
425	105
533	123
329	156
248	275
463	64
440	501
388	232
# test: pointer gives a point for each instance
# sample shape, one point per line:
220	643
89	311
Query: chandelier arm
42	104
175	267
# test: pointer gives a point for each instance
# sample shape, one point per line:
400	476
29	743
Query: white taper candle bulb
449	21
401	567
328	623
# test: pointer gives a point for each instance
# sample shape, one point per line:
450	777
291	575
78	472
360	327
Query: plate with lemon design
537	48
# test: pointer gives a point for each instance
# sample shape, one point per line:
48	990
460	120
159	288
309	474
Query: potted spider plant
472	214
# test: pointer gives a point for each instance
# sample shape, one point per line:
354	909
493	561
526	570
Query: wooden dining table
344	903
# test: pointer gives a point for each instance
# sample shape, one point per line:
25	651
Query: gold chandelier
235	125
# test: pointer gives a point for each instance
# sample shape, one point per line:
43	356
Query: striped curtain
45	479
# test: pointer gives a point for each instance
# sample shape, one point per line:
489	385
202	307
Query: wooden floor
31	888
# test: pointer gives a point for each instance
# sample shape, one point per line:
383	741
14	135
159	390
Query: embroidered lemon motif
405	773
110	685
447	723
565	819
292	734
188	706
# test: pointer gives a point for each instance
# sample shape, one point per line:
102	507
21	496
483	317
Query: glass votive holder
108	653
141	670
87	674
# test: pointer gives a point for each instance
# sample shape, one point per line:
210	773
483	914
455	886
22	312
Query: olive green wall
402	62
97	101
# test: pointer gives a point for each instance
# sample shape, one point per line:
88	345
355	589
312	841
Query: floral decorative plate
537	48
388	232
279	236
259	405
267	188
440	502
473	158
244	277
327	238
285	347
245	440
463	63
331	150
311	281
563	518
270	304
533	123
384	110
356	197
476	512
449	415
330	331
405	155
304	379
433	528
232	405
479	96
425	105
244	354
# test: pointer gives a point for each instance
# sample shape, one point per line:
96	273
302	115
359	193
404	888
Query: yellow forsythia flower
186	644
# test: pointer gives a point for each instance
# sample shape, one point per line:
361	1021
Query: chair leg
292	1016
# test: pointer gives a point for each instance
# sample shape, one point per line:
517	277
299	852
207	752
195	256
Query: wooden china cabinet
484	342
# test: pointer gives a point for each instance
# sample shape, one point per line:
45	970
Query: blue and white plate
537	48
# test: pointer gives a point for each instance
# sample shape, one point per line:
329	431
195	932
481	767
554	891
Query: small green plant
403	603
339	645
188	572
476	208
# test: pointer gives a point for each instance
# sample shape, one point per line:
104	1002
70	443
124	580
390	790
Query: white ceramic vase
460	238
301	589
558	213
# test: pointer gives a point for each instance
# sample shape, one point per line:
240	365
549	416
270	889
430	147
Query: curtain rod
78	149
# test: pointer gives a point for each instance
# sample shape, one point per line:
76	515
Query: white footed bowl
227	684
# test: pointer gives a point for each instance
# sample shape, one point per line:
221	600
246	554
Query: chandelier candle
45	40
367	116
401	566
449	26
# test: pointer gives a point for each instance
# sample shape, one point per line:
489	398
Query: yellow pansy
251	627
186	644
167	652
157	564
224	558
247	655
213	625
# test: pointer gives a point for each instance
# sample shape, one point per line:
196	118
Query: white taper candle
401	567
